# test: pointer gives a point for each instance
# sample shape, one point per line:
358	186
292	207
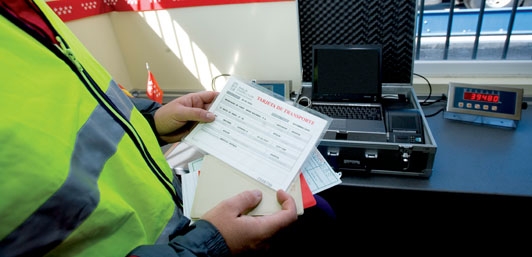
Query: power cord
426	102
435	113
213	84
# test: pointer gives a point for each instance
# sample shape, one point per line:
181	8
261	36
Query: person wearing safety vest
82	171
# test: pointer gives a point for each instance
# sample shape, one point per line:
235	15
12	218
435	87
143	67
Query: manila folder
218	181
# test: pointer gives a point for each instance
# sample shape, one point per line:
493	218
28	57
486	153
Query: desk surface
470	158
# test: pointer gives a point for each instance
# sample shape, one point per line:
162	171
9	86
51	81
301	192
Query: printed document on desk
258	134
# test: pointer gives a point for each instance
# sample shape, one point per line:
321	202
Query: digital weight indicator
481	97
484	104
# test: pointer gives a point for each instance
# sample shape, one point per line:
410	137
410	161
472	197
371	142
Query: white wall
99	37
187	47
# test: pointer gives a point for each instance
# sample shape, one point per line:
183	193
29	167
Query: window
474	37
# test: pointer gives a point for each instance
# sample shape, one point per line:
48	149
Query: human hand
174	120
243	232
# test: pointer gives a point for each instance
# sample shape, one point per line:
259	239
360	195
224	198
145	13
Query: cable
213	86
426	101
434	114
430	89
304	99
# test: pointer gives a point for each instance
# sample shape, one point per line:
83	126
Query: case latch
406	152
371	154
333	151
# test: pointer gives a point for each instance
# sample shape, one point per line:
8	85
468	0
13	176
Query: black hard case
391	24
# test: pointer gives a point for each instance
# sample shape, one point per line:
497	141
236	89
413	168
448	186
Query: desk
470	158
480	188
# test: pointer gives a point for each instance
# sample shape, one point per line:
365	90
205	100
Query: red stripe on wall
69	10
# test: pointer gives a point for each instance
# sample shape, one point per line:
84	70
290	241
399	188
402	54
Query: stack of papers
256	141
319	173
217	181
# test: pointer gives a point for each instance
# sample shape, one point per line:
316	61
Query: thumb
246	201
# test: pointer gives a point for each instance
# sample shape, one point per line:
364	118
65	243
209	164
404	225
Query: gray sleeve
148	108
201	239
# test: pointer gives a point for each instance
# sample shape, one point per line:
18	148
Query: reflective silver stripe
75	200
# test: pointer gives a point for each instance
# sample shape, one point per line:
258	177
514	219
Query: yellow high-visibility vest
75	154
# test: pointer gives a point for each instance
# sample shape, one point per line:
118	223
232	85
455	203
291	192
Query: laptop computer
349	76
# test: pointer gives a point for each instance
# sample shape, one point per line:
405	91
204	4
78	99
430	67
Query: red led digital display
481	97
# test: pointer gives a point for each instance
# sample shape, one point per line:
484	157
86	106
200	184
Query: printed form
258	134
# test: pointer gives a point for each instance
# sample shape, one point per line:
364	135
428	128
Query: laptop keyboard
350	112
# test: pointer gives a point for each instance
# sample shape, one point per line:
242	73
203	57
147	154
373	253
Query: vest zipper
63	52
111	108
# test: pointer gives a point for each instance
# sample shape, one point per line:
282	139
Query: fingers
200	103
186	113
174	119
243	232
286	201
288	213
193	107
207	97
247	200
200	100
244	202
273	222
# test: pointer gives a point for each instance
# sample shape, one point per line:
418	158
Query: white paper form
319	174
189	182
258	134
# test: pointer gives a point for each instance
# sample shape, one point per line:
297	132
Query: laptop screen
346	73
